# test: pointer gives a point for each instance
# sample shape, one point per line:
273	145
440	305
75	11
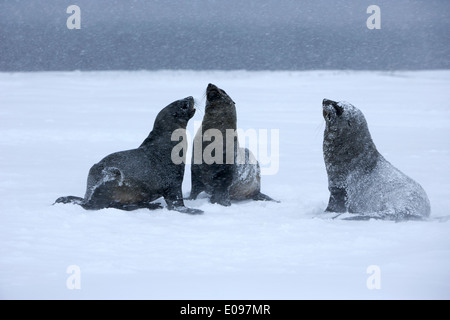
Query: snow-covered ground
55	126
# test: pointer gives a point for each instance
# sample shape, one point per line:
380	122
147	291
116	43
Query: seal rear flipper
263	197
136	206
387	215
187	210
407	216
357	218
353	216
70	199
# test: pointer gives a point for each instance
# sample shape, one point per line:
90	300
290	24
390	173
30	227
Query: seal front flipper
179	207
337	202
221	197
174	200
263	197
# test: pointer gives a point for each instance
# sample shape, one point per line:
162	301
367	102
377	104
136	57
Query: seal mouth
327	110
190	106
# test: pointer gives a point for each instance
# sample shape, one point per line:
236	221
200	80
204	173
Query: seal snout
211	87
326	103
212	93
190	103
327	112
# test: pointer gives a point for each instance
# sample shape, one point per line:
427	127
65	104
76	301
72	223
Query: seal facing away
360	180
132	179
227	172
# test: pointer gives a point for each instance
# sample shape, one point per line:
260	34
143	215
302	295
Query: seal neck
344	154
160	142
219	116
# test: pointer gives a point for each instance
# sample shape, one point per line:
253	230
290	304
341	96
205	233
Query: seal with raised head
232	173
133	179
361	181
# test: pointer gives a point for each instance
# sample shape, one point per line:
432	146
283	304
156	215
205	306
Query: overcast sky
223	34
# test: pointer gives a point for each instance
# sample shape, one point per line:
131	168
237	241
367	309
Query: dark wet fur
133	179
218	179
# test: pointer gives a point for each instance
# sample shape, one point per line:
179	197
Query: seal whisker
319	128
199	107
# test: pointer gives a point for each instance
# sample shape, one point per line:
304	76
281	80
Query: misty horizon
223	35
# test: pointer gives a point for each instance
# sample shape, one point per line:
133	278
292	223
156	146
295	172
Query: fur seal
360	180
132	179
224	180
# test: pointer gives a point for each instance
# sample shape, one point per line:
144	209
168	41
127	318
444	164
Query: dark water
245	34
